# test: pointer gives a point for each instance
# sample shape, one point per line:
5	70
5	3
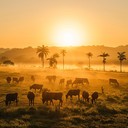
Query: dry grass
110	109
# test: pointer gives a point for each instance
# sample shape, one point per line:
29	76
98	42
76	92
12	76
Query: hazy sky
35	22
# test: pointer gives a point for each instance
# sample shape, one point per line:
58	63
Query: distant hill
75	55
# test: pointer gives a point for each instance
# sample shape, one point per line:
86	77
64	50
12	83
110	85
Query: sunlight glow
69	35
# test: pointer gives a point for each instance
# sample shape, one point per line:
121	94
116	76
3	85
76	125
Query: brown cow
11	97
50	96
31	97
61	81
80	81
15	79
85	96
51	78
37	86
33	78
113	82
21	79
94	97
8	80
69	82
73	92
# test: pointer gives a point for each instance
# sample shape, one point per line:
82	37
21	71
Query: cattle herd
50	96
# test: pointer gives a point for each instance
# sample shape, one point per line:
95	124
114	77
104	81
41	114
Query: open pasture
110	109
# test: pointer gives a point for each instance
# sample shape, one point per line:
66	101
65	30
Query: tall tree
63	52
53	60
121	57
104	55
89	55
42	52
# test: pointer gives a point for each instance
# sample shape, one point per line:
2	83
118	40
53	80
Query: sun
68	35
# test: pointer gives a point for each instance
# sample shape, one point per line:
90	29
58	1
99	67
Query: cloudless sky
34	22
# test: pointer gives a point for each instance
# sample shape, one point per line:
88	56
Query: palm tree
42	52
89	54
63	52
121	56
53	60
104	55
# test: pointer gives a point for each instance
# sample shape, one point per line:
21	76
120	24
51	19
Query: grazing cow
8	80
80	81
37	86
73	92
50	96
11	97
51	78
21	79
16	80
85	96
113	82
61	81
33	78
31	97
94	97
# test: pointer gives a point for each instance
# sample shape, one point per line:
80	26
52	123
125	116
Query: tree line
43	52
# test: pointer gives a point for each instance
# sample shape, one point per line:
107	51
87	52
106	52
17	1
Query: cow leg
16	102
33	102
92	101
78	97
52	102
61	101
29	102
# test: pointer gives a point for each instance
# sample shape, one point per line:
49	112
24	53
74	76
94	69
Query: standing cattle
31	97
85	96
11	97
113	82
50	96
73	92
37	86
51	78
61	81
8	79
94	97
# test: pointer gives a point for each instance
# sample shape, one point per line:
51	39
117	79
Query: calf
8	80
113	81
94	97
50	96
73	92
85	96
11	97
31	97
37	86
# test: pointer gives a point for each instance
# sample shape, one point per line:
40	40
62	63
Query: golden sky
63	22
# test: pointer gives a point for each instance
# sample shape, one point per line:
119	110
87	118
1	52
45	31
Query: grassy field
110	110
